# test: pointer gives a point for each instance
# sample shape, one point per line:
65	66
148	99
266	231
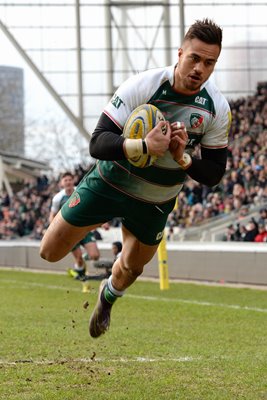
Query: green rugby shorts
89	238
96	202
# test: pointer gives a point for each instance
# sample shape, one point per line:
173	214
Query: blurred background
67	58
61	61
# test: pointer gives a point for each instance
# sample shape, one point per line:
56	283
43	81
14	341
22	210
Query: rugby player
143	197
88	242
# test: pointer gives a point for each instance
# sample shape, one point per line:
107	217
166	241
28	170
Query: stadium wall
215	262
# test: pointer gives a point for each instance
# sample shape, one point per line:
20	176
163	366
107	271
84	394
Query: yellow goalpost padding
163	264
163	259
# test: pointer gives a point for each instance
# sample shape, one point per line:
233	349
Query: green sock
109	296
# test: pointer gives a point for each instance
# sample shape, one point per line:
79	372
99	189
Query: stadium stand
235	210
243	189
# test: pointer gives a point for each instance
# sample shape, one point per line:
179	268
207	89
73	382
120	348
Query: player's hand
158	139
178	141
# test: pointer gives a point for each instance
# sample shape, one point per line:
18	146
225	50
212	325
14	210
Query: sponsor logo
74	200
164	92
116	101
200	100
159	235
192	142
196	120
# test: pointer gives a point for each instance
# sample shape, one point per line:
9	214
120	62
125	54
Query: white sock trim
78	268
118	293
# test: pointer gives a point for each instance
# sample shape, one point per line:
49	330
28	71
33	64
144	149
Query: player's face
114	250
196	63
67	182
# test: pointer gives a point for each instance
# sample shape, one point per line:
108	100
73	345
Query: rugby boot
100	319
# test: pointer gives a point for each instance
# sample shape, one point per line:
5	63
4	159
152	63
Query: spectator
116	249
230	234
251	231
263	216
262	234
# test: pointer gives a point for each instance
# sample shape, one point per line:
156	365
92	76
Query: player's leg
90	255
84	211
125	270
61	237
79	269
143	227
134	256
78	255
90	245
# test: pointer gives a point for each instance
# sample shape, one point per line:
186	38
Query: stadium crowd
243	186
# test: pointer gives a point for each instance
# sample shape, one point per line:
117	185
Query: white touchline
27	285
100	359
147	298
200	303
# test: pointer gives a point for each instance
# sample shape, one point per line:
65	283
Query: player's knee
47	254
94	256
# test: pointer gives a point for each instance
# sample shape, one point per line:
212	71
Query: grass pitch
191	342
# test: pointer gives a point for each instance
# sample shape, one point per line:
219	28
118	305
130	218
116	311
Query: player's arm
51	216
106	142
210	169
55	206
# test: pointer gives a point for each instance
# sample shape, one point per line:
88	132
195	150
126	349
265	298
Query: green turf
193	342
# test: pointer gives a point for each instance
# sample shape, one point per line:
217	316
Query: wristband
133	148
185	161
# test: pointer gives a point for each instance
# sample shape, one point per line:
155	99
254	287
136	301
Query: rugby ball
141	121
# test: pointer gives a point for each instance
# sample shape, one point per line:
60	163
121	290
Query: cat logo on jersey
196	120
116	101
74	200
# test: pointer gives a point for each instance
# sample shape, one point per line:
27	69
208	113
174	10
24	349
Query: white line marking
27	285
100	360
200	303
147	298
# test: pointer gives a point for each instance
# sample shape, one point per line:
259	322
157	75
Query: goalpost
163	264
163	260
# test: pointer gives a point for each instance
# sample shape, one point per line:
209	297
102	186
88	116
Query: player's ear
180	52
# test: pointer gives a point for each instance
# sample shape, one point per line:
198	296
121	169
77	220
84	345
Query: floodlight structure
131	36
82	50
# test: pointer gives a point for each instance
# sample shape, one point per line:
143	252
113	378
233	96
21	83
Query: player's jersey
206	116
58	200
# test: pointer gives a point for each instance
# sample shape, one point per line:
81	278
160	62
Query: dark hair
118	245
67	174
206	31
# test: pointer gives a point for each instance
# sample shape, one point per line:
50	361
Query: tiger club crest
196	120
74	200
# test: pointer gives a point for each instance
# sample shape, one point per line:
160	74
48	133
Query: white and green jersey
58	200
206	116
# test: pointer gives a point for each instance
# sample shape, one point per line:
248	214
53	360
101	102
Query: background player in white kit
88	242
